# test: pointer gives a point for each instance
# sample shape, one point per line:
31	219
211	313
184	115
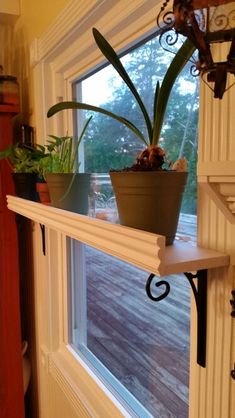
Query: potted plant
23	160
149	193
68	188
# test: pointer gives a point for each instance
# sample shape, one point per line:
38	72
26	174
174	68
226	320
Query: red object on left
11	374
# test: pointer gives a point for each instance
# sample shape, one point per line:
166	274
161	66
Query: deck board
143	343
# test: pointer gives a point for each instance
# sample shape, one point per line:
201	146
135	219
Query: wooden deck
143	343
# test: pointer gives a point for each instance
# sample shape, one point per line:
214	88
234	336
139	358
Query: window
109	144
132	344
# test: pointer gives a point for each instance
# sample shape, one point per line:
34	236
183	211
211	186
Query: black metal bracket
232	303
200	295
43	239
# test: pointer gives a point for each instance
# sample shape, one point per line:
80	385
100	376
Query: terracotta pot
150	200
43	193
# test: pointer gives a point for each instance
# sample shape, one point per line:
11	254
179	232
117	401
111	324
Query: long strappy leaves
83	106
162	93
114	60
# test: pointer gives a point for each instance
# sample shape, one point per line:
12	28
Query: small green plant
61	154
153	156
23	158
60	158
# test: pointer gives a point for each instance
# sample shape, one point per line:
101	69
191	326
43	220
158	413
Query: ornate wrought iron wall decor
205	23
200	295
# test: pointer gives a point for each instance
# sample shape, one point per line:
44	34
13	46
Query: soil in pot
150	200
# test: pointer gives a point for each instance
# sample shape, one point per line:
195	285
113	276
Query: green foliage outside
108	144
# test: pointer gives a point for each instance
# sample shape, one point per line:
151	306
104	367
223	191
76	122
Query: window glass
138	347
110	145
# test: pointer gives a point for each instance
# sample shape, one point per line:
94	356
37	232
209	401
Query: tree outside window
110	145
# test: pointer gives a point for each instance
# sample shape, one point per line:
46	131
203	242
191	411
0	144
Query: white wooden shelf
143	249
140	248
185	257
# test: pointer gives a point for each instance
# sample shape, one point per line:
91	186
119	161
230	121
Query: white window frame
59	57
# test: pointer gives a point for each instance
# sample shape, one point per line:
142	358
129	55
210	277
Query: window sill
140	248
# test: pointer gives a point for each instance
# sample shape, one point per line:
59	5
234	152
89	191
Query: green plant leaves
83	106
62	153
23	158
162	92
114	60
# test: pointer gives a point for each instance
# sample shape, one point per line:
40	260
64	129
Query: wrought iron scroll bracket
43	239
200	295
157	284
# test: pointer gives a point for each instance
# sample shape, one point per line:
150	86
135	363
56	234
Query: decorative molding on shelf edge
221	189
142	249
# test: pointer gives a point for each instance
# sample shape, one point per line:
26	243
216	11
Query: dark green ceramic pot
25	185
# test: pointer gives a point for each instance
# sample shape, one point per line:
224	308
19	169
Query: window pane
134	344
139	348
110	145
